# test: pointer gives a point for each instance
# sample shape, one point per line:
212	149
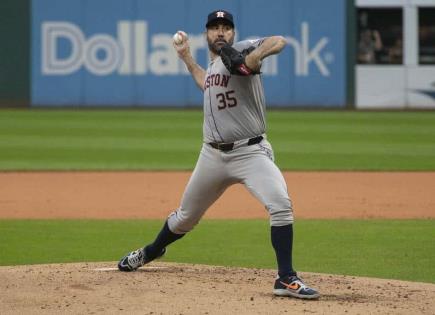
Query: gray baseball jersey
234	111
234	106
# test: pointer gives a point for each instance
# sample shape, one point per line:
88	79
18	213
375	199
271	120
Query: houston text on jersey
216	80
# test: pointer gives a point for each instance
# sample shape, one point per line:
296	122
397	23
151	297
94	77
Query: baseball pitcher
235	148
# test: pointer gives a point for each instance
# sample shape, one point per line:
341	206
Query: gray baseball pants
216	170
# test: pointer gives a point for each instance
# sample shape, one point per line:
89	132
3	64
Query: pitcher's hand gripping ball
234	60
179	37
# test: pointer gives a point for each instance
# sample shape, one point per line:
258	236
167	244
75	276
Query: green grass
171	139
394	249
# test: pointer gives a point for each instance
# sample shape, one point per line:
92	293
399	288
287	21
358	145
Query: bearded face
218	35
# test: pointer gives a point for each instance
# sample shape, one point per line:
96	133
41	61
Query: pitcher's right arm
197	72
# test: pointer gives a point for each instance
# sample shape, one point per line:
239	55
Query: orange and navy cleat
295	287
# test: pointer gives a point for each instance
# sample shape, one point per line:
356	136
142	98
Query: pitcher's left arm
270	46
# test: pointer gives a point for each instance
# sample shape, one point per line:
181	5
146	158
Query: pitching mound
168	288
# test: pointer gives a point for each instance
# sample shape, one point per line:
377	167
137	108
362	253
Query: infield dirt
164	288
153	195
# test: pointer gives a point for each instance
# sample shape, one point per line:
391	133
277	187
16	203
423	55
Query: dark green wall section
14	53
351	53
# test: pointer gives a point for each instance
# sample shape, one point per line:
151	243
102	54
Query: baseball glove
234	60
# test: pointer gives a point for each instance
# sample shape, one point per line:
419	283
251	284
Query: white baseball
178	37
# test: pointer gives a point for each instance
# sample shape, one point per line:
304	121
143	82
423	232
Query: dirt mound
168	288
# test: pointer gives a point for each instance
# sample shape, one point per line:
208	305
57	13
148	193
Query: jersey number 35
226	99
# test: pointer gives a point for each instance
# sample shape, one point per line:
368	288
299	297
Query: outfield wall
14	52
119	52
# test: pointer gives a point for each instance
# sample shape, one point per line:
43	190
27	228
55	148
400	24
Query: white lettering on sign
132	51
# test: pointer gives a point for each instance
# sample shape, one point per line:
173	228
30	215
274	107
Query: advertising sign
119	52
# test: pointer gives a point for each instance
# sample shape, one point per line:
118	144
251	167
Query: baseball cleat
133	260
294	286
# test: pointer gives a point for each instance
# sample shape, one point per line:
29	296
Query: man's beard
216	46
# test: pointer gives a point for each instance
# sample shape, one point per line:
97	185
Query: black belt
230	146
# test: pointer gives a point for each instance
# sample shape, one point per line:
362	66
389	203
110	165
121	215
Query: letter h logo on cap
220	15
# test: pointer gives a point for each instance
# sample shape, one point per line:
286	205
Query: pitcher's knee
179	223
281	217
282	213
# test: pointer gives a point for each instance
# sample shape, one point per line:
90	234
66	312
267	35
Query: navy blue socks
163	239
281	236
282	242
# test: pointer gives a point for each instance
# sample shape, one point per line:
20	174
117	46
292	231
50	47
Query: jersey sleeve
248	43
